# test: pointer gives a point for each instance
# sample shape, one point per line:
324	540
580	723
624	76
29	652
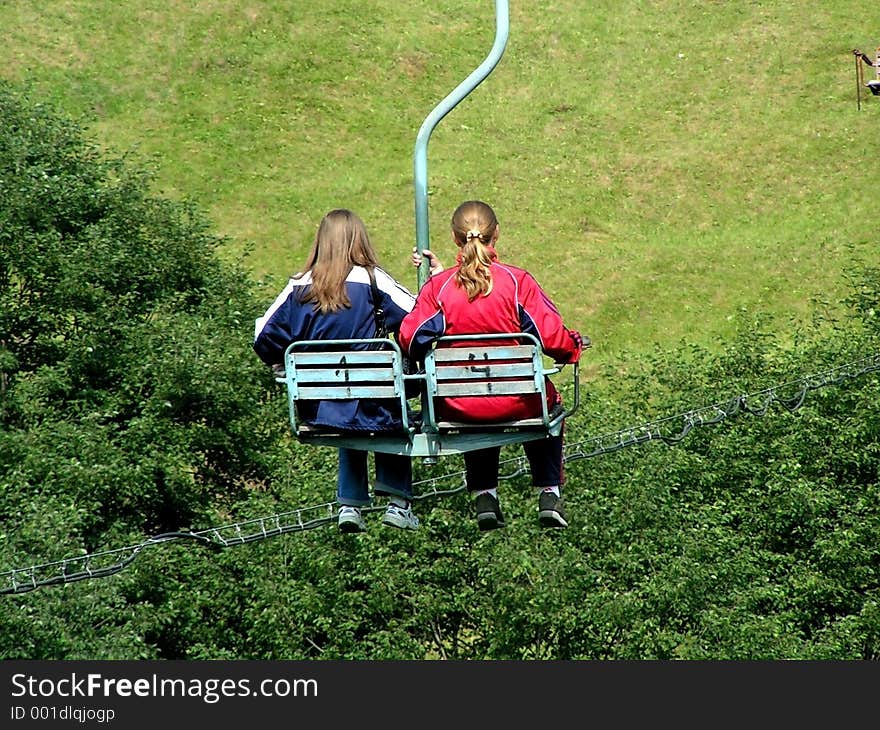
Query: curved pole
420	163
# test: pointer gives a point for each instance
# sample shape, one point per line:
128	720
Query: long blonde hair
341	242
473	226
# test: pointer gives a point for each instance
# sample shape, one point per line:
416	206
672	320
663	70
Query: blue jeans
393	476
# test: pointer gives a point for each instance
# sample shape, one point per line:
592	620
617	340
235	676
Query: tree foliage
132	404
130	400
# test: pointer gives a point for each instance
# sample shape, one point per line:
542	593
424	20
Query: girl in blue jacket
332	299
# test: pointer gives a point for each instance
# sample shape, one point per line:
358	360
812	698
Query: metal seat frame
461	366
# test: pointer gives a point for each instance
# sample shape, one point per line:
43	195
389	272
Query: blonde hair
341	242
473	227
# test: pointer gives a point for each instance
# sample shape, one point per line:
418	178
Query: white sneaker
350	519
404	519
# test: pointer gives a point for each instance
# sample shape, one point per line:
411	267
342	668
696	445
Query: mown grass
662	167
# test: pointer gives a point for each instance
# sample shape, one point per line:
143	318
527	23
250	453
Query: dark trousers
545	464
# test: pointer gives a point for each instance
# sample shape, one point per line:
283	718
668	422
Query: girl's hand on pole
434	265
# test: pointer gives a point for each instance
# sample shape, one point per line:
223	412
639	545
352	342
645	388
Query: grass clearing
660	167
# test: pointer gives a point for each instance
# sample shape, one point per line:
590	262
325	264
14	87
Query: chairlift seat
484	365
317	370
465	365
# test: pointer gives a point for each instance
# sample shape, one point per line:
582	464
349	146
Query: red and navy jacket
516	303
289	319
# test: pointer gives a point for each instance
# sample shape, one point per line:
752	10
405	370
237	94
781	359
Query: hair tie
472	234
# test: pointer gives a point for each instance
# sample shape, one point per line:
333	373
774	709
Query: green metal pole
420	156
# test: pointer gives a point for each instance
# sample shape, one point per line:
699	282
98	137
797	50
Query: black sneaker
488	510
550	512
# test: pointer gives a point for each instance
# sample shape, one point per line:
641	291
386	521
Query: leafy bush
133	404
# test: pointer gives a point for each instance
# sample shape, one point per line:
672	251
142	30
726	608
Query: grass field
663	168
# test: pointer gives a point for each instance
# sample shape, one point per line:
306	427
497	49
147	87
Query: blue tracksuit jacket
290	320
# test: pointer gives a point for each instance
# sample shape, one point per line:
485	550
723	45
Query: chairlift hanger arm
420	155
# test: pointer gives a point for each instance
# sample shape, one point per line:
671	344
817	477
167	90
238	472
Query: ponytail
473	274
473	227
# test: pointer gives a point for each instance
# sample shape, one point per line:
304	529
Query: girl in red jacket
482	295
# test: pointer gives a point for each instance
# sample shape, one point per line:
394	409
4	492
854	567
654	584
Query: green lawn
661	167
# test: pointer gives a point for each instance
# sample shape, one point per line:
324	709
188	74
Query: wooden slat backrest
479	366
344	374
485	370
333	370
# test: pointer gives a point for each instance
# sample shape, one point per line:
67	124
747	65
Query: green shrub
133	404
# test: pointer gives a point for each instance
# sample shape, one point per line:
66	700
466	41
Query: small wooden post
858	81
